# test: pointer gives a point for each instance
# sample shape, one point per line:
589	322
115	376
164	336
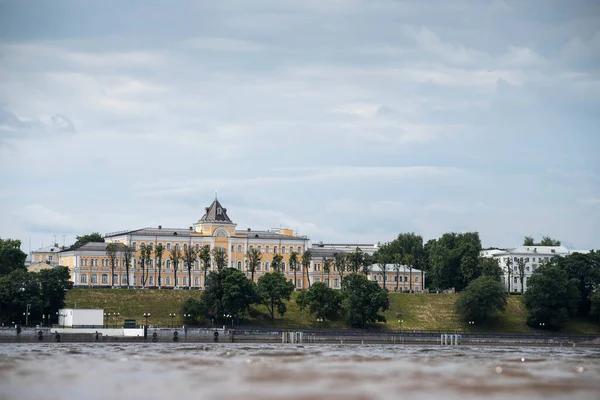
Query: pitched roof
215	213
252	234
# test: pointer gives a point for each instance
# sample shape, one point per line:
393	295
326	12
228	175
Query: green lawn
407	311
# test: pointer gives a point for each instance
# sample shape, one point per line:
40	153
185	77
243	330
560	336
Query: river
266	371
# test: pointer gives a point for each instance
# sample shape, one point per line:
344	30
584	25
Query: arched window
168	246
260	249
239	265
115	280
267	265
196	281
251	247
176	246
267	249
299	249
317	280
239	248
104	279
94	278
168	265
168	280
282	249
83	278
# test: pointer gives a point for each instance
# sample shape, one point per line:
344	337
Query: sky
345	120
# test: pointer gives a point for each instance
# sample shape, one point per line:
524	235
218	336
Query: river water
267	371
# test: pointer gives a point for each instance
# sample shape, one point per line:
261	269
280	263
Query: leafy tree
276	263
595	306
127	253
490	267
585	269
228	292
482	299
550	297
196	309
447	254
11	256
306	259
293	262
158	254
321	300
189	257
92	237
383	256
112	250
339	264
54	284
220	257
546	241
273	289
363	299
253	256
367	261
409	246
205	258
356	259
327	269
509	270
176	256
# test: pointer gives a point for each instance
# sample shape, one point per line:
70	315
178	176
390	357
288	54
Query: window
150	246
185	281
299	283
416	279
124	279
197	264
267	266
94	278
239	265
405	278
267	249
196	281
515	279
299	249
326	280
184	247
168	246
260	249
239	248
151	280
133	262
151	264
176	246
177	281
168	280
283	266
317	280
395	278
282	249
336	283
115	280
83	278
133	246
168	264
104	262
251	247
197	247
232	248
275	249
116	262
104	279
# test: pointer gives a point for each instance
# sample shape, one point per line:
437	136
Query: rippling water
241	371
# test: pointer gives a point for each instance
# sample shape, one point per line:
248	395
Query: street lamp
115	316
400	322
542	325
226	316
172	315
146	315
26	314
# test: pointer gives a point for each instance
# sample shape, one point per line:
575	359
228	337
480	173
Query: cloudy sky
345	120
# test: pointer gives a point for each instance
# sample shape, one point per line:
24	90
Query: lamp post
26	314
172	315
542	325
115	315
471	325
400	322
146	315
320	321
106	315
227	316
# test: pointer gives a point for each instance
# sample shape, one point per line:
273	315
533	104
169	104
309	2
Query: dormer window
219	211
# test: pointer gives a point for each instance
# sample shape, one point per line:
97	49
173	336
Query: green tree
143	264
339	264
490	267
127	253
363	299
205	258
253	256
546	241
220	256
528	241
11	256
293	262
306	259
196	309
327	269
383	256
356	259
228	292
112	249
273	289
585	269
276	263
509	270
397	261
550	297
595	306
54	284
482	299
158	254
447	254
189	257
321	300
175	256
92	237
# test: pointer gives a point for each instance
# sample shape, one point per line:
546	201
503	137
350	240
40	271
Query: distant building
48	255
532	256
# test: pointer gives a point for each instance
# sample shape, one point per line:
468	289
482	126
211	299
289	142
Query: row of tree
229	294
557	290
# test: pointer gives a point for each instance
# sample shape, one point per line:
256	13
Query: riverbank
408	311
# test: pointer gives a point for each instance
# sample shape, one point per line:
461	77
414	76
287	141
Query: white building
532	256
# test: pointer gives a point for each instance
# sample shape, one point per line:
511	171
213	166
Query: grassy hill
407	311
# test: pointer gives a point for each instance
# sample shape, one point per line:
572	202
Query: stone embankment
206	335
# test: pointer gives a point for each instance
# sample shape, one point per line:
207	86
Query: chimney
160	227
249	229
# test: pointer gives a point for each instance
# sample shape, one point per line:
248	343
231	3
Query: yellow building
90	266
48	255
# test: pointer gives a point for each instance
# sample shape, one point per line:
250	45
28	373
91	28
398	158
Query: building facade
49	255
90	265
531	257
